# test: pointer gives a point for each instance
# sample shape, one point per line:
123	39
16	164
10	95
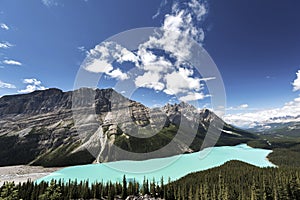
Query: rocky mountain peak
40	127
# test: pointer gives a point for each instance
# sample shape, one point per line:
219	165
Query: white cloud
99	66
12	62
243	106
81	48
179	30
240	107
121	55
6	85
153	63
162	4
285	113
181	81
5	45
265	116
150	80
4	26
252	119
118	74
32	81
198	8
207	79
50	3
32	85
192	97
100	60
296	82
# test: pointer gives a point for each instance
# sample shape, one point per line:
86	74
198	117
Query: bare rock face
53	128
39	127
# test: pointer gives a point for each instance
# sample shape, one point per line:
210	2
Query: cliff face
52	128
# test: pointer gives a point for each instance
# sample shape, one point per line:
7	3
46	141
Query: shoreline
22	173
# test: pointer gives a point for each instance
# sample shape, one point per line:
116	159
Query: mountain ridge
39	128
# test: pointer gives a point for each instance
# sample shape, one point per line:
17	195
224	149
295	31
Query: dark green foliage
237	180
233	180
9	192
53	192
63	156
285	149
167	134
143	145
124	188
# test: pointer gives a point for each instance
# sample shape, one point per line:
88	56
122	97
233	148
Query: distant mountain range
39	128
289	128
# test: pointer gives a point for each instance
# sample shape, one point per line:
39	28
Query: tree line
234	180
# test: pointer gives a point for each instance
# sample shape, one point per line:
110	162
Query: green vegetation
143	145
63	156
233	180
237	180
167	134
286	149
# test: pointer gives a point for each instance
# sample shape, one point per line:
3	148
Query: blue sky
255	44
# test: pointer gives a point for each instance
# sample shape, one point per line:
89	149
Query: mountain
275	124
56	128
282	129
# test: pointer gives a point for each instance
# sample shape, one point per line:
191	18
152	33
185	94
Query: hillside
52	128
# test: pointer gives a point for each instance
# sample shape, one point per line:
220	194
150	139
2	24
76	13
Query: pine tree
152	187
53	192
9	192
124	188
197	197
190	195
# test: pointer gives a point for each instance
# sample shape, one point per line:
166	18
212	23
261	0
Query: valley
36	137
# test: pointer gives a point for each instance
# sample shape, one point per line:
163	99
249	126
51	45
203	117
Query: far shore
21	173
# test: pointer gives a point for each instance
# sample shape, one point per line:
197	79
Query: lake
173	167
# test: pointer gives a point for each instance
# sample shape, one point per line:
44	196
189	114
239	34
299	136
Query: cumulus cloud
177	34
192	97
99	66
152	62
182	81
6	85
32	85
100	59
170	74
118	74
179	29
4	26
12	62
5	45
150	80
296	83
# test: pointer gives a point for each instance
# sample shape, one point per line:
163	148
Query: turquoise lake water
173	167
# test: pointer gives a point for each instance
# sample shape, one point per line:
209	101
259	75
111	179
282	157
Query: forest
233	181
